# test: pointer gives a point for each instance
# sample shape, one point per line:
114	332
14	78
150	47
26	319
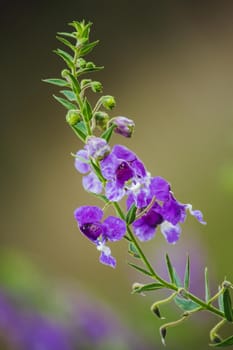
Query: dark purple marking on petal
92	230
124	172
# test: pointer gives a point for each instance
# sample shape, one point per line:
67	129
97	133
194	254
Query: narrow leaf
87	110
131	214
133	251
140	269
69	95
187	274
88	48
69	35
227	305
66	57
108	133
148	287
66	42
170	269
65	103
58	82
185	304
177	279
207	288
220	301
225	343
80	129
89	70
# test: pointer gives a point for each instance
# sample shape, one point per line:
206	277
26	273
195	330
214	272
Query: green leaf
88	48
220	300
227	305
58	82
177	279
75	83
89	70
108	133
97	171
80	129
207	288
67	104
145	272
224	343
133	251
67	43
69	95
69	35
131	214
187	274
87	110
170	269
185	304
148	287
66	57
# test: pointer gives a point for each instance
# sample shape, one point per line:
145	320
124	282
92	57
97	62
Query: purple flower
124	126
123	172
97	147
163	210
112	229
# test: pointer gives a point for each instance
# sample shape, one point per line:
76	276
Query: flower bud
90	65
102	120
96	86
72	117
84	82
124	126
81	63
65	73
97	148
108	102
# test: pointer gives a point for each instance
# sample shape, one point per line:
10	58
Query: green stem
154	275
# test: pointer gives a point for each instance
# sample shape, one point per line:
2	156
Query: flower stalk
115	173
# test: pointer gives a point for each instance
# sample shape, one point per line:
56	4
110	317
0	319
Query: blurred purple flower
112	229
124	126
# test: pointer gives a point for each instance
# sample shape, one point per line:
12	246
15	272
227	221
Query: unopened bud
96	86
108	102
65	73
90	65
72	117
102	120
81	63
124	126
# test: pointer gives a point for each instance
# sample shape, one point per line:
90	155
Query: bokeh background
169	66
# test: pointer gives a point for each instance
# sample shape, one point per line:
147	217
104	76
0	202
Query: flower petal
88	214
114	193
91	183
123	153
81	162
97	147
170	232
173	211
108	166
115	228
107	260
197	213
160	188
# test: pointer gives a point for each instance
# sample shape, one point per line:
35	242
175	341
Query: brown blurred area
169	66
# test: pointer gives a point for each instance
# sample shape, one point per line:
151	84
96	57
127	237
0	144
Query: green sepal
58	82
67	43
66	57
207	287
148	288
227	305
70	95
185	304
80	129
145	272
108	133
170	269
225	343
220	301
86	48
67	104
131	214
187	274
86	110
133	251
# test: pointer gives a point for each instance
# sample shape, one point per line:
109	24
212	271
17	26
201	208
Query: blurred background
169	66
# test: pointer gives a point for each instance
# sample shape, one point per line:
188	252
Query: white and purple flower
112	229
163	210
